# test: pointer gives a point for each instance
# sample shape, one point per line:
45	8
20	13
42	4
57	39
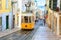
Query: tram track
30	34
21	34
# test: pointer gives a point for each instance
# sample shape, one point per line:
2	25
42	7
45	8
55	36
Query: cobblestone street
40	32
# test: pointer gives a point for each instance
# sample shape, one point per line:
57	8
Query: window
0	0
26	19
60	4
30	19
21	19
54	5
49	3
0	4
7	4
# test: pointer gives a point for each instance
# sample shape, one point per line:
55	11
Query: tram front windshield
26	19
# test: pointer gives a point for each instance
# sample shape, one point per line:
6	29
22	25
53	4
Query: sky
41	4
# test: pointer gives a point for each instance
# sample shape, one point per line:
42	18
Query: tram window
21	19
30	19
26	19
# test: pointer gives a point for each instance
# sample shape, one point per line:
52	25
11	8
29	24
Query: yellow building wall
3	6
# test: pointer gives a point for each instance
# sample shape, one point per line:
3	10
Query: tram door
7	22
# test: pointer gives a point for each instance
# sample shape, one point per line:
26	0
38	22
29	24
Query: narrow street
43	33
41	17
40	32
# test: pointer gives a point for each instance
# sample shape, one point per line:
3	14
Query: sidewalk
44	33
8	31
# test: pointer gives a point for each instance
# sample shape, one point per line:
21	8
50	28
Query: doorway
7	22
13	21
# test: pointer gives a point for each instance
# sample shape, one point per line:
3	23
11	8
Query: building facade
6	17
54	16
15	13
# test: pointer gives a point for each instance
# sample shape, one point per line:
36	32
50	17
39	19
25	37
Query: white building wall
3	22
3	15
10	20
19	7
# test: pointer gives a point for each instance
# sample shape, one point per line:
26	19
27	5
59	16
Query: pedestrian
44	20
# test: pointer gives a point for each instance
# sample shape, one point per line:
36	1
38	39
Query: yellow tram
27	21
